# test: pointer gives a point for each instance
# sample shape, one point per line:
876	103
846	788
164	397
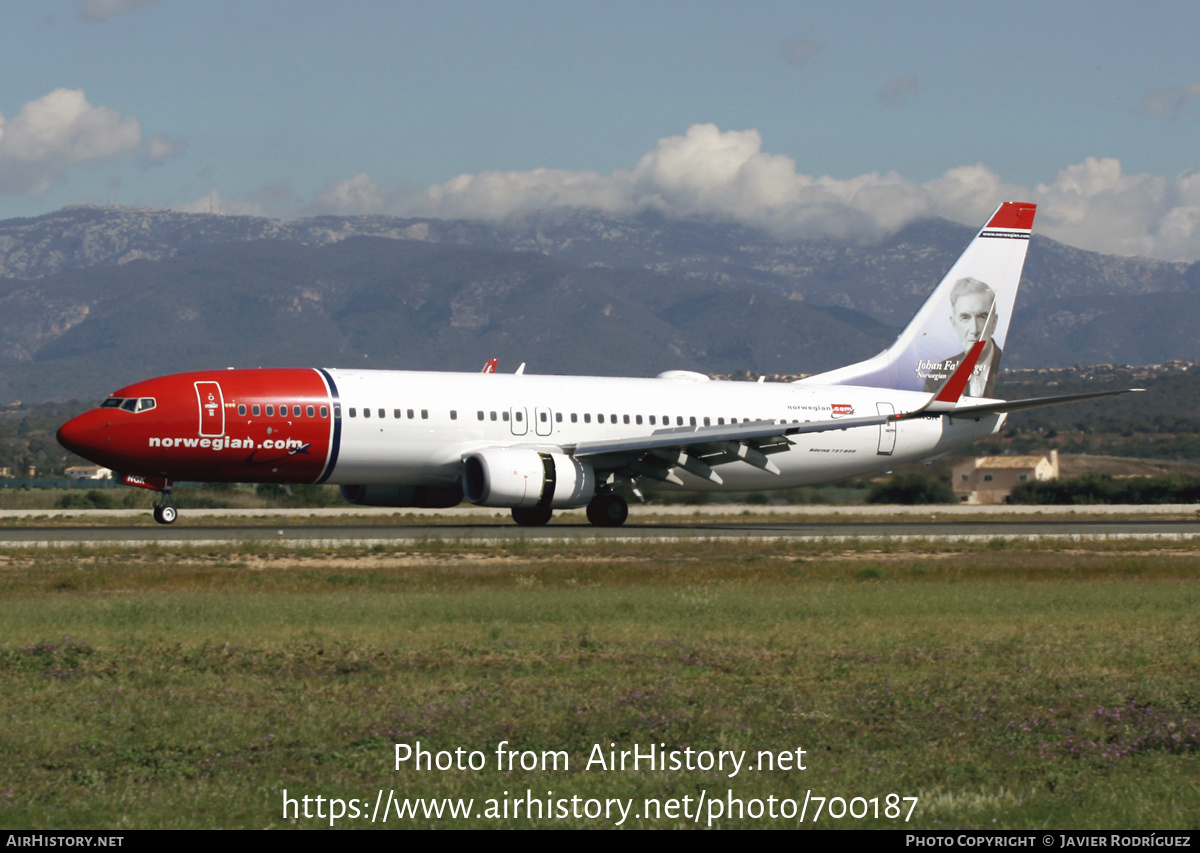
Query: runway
495	531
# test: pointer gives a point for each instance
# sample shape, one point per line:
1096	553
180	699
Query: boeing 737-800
539	443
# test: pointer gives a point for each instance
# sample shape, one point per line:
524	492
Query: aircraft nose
85	435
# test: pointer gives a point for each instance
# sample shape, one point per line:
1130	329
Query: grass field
1002	685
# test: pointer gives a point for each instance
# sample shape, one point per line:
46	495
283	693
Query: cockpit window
129	404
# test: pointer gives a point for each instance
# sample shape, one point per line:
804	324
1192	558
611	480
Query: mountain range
94	297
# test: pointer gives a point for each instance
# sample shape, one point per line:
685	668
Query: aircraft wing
682	437
1001	406
697	449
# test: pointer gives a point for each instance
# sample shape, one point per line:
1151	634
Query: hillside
91	297
384	303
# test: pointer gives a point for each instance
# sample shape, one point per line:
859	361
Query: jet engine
404	496
527	478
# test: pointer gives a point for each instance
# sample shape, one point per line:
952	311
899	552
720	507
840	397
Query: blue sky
847	119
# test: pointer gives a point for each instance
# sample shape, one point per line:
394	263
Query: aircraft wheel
165	514
608	511
531	516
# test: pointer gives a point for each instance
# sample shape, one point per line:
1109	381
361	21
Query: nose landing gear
164	512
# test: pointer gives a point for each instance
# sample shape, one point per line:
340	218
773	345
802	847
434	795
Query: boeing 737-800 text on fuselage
539	443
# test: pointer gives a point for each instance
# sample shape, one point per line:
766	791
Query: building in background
991	479
88	472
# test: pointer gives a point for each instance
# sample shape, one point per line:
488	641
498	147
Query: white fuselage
421	425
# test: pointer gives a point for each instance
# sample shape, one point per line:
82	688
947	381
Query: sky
843	120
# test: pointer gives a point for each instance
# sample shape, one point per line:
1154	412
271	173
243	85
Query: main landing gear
531	516
608	510
605	510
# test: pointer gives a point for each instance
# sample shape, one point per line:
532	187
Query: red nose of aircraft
89	435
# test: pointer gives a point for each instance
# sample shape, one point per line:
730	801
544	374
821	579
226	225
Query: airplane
537	443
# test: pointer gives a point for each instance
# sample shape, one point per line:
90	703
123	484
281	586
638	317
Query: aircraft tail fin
973	303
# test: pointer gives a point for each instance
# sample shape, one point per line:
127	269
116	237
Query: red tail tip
1014	214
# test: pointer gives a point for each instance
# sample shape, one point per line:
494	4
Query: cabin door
212	408
887	431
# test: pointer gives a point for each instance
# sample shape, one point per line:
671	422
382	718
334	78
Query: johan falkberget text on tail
535	444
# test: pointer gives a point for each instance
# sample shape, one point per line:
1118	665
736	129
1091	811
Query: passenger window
652	420
574	418
639	419
504	416
493	416
558	417
366	413
599	419
587	417
720	422
310	411
612	419
270	411
396	414
625	419
481	414
256	410
544	417
520	416
454	414
679	420
706	423
410	414
353	412
382	413
424	414
241	410
324	411
337	412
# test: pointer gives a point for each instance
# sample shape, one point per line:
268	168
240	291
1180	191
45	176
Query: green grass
1002	686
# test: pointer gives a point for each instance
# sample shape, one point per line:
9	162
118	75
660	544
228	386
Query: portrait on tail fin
972	314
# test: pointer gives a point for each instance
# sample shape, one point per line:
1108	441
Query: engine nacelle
429	497
527	478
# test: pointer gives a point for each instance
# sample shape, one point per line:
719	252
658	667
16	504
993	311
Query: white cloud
55	133
160	149
102	10
1171	103
214	202
356	195
726	176
800	52
898	92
